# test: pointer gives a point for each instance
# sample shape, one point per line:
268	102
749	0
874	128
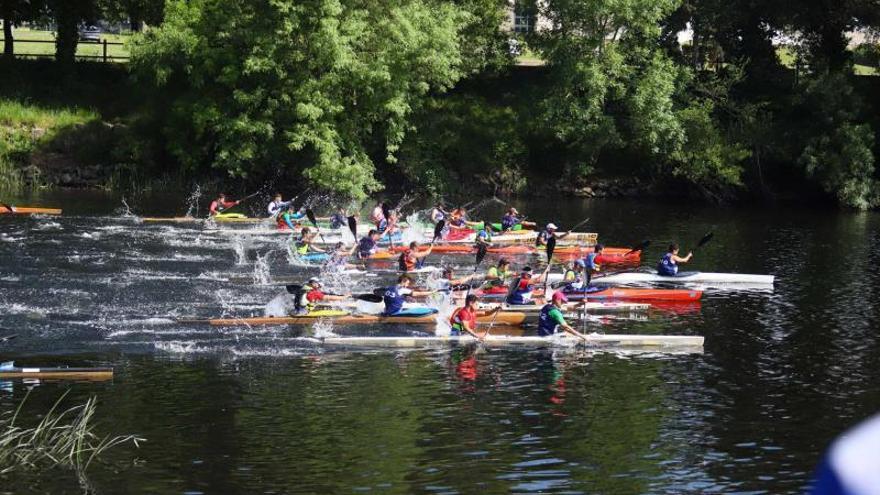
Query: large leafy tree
303	85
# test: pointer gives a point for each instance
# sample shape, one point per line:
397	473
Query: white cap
314	280
552	226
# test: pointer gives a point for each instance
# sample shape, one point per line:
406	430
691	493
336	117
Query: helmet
580	263
559	296
314	281
551	226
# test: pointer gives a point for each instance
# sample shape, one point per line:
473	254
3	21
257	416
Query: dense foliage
353	95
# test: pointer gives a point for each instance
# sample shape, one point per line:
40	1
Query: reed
61	439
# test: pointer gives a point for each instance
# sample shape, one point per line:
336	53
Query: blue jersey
667	266
366	247
508	222
547	323
394	298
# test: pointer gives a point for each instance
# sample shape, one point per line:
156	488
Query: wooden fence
104	56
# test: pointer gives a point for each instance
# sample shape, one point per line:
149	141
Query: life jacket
301	247
495	282
456	322
365	247
590	261
543	236
406	263
520	291
546	325
393	300
667	266
508	222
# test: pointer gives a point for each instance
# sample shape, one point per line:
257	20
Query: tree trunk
67	16
8	41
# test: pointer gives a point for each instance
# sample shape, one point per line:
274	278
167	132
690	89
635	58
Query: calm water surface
228	410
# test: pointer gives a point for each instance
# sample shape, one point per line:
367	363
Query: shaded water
257	410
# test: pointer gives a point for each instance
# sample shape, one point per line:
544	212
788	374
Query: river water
241	410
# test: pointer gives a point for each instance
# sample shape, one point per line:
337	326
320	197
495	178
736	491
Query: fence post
105	51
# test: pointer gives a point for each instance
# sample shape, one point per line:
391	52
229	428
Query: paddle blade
551	246
639	247
293	288
353	226
706	238
481	253
438	229
385	211
373	298
311	215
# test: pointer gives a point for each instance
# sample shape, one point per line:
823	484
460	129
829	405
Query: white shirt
276	206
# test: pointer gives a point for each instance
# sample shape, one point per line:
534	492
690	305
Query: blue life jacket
508	222
590	261
667	266
365	247
393	300
546	325
520	296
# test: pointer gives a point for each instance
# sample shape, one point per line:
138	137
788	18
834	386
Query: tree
68	16
12	13
304	86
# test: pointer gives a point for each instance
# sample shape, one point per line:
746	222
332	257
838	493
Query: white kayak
591	307
654	342
652	276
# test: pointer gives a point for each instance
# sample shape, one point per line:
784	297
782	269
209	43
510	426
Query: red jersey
462	315
218	206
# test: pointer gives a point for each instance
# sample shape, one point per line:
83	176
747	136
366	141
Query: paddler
378	214
464	319
512	221
496	275
277	205
438	213
668	265
411	258
448	283
307	297
220	204
522	288
305	244
484	236
590	265
548	233
340	255
368	245
551	319
289	219
338	219
388	226
395	297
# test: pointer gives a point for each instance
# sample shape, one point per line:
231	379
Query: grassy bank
25	128
35	43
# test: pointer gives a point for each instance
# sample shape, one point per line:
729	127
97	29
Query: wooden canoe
653	342
58	373
29	210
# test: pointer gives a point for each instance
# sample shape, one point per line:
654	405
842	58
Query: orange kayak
28	210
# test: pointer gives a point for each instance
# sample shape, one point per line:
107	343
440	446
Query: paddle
8	338
353	227
639	247
579	224
314	221
386	212
8	207
438	231
481	254
551	246
373	298
705	240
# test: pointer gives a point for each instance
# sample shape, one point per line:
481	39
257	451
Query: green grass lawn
23	48
787	58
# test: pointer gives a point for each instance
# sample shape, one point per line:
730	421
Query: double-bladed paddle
8	207
311	215
704	240
639	247
353	227
481	254
8	338
579	224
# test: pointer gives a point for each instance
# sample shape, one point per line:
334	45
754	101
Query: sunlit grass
62	438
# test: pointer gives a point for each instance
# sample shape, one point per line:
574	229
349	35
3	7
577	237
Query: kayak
503	318
611	293
9	370
220	218
590	307
654	342
28	210
682	278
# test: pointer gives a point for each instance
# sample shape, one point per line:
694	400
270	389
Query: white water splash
239	247
261	272
323	328
192	203
280	305
415	232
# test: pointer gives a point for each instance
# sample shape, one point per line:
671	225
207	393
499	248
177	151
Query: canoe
614	294
221	218
504	318
682	278
654	342
57	373
29	210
